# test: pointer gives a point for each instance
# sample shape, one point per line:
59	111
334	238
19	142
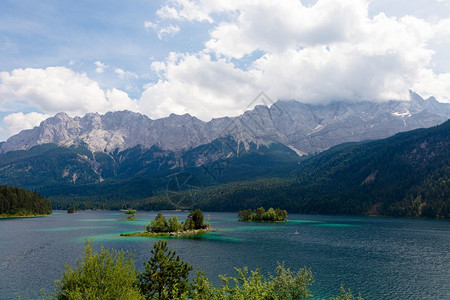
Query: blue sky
211	58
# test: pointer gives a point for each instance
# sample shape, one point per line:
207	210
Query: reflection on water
383	258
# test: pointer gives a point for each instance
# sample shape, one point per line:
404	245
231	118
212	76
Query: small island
131	215
16	202
194	224
261	215
72	210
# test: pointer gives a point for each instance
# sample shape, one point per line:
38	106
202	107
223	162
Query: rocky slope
305	128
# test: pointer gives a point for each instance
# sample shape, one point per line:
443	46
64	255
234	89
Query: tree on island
132	213
72	210
194	221
261	215
159	224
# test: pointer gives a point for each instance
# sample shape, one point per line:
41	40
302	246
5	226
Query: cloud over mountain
332	50
56	89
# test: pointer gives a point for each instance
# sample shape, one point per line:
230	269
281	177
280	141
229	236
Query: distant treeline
19	202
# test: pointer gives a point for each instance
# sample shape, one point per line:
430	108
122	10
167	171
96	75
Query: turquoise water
382	258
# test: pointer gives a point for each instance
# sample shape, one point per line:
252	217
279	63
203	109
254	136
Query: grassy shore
129	219
157	234
6	216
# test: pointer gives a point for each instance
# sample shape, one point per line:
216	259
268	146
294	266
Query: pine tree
164	273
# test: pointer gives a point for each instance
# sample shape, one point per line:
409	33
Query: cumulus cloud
17	122
197	85
279	26
331	50
56	89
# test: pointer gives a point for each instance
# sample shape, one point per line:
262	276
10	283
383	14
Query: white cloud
197	85
278	26
331	50
125	74
56	89
119	100
167	12
17	122
162	32
100	67
431	84
442	30
188	10
170	30
148	25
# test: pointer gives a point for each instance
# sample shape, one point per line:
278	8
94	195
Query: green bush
253	285
104	275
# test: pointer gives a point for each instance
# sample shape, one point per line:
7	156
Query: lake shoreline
22	216
168	234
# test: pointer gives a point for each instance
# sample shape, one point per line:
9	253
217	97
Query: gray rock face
114	130
304	128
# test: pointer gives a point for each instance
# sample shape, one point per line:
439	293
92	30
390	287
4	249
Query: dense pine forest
19	202
406	175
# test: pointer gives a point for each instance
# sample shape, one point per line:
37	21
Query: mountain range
113	160
305	128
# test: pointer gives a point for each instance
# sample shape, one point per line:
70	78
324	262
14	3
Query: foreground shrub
253	285
104	275
165	275
112	275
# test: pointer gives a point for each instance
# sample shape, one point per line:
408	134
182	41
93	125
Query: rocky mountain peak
413	96
303	127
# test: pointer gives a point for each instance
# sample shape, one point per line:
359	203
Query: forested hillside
69	174
20	202
405	175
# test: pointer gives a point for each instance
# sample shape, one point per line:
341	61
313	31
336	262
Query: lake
381	258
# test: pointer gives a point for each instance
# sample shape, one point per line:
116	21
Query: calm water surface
382	258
